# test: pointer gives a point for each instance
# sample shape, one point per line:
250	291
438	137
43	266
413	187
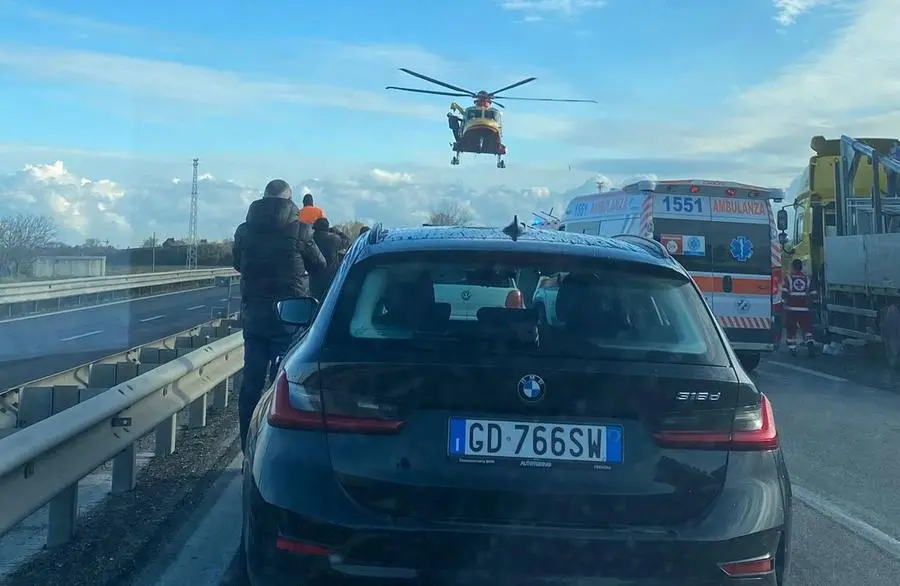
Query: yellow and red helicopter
477	129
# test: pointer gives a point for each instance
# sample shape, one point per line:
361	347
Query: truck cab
813	214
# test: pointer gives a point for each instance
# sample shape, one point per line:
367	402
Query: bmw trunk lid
538	440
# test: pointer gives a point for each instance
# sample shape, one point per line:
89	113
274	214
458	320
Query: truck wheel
749	360
890	336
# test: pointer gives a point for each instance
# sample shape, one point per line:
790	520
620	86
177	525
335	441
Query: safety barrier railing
52	289
65	433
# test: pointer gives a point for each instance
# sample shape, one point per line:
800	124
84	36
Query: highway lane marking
808	371
195	307
87	307
146	319
860	528
79	336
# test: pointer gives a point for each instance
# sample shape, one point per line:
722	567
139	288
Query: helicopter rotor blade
493	103
432	92
468	93
517	84
551	100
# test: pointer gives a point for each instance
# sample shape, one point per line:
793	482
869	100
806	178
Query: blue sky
685	87
613	53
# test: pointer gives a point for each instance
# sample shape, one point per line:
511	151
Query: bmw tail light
297	406
748	428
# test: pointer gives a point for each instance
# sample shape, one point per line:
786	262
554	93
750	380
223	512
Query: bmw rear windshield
566	306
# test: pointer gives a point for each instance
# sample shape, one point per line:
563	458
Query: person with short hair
274	253
310	212
331	242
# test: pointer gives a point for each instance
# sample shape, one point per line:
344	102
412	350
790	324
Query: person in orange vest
310	212
796	294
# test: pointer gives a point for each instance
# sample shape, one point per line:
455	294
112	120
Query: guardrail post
197	413
220	395
197	410
62	512
124	469
166	433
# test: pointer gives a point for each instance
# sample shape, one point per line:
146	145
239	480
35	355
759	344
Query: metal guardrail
14	409
44	462
43	290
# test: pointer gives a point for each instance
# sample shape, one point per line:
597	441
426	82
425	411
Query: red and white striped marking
773	238
646	226
748	323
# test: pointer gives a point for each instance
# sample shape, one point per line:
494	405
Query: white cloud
847	87
390	178
226	91
128	211
564	7
790	10
160	84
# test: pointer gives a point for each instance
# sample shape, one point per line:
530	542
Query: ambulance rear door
723	235
680	223
741	239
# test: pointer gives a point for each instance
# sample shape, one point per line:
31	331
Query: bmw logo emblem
531	388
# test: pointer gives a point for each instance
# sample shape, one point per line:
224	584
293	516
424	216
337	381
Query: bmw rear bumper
304	525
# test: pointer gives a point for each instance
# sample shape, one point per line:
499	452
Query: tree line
26	236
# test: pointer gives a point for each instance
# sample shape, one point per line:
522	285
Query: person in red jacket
797	292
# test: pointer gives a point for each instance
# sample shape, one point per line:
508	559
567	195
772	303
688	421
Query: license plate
529	440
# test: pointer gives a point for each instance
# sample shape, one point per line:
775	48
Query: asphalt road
37	346
839	439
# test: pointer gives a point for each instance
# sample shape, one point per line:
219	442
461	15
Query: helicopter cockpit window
473	113
491	114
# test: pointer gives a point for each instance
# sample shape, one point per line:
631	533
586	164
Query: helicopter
477	129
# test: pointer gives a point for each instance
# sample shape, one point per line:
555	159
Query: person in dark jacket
274	253
331	242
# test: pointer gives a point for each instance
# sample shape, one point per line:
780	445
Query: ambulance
723	233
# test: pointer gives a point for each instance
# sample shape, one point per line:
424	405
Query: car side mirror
782	238
297	311
782	220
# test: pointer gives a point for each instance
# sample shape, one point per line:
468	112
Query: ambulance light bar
707	188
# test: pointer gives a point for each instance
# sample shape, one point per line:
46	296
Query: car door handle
727	284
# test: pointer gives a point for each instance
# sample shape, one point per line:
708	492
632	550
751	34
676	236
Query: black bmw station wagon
432	425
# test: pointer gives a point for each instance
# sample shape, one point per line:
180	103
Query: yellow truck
848	236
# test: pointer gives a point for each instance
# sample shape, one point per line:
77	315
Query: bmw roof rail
377	233
648	244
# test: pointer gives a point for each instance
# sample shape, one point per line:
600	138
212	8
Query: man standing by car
273	252
331	242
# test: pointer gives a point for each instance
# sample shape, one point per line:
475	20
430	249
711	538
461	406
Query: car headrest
574	295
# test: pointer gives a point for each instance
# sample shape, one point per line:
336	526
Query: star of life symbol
798	285
693	243
531	387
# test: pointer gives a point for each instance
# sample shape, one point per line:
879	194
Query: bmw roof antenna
515	229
